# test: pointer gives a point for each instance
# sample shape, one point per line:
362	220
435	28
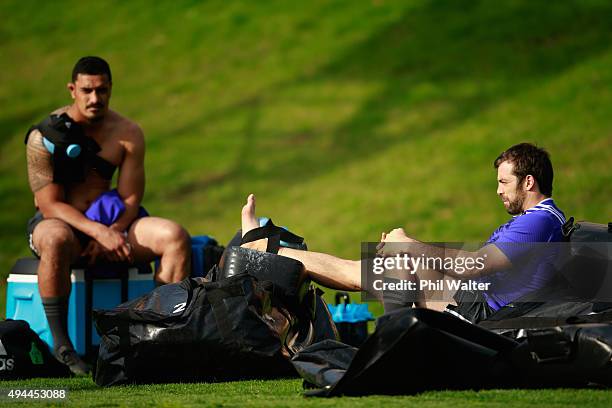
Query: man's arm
131	181
488	259
50	199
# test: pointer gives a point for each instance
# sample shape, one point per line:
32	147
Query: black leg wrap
285	273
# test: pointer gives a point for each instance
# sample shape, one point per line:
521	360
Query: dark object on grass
239	326
415	350
24	355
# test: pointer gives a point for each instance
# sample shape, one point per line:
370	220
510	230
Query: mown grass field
345	118
288	393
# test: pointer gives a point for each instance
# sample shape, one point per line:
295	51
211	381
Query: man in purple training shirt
511	270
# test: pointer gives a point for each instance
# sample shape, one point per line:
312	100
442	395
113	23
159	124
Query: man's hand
93	251
115	244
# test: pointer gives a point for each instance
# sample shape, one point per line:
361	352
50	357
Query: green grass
346	118
288	393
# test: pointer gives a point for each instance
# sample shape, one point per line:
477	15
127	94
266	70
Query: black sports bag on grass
235	328
24	355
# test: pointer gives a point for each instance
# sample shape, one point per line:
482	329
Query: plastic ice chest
205	252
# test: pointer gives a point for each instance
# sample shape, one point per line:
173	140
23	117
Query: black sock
396	299
56	309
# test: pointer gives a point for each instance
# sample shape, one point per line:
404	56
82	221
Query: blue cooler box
205	253
23	299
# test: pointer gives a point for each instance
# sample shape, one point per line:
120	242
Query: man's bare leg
328	270
153	237
58	247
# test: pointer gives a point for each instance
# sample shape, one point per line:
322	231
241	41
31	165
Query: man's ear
72	89
529	183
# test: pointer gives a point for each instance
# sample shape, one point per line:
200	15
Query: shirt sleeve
517	241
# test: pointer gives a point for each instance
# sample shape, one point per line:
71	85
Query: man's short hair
91	66
529	159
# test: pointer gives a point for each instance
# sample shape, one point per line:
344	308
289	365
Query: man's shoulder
34	137
34	132
61	110
123	123
545	213
537	226
542	219
124	128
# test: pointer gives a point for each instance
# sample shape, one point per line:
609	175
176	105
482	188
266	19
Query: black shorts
36	219
471	306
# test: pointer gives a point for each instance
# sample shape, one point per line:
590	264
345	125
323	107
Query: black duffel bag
236	328
24	355
416	350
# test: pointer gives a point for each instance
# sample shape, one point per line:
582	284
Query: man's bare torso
111	134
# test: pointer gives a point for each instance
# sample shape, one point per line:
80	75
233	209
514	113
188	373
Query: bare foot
249	220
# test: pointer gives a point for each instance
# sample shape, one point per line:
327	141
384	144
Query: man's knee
54	238
174	236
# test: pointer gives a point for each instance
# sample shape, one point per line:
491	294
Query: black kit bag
411	350
233	328
24	355
415	350
581	292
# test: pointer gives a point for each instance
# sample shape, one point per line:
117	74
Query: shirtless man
60	233
524	177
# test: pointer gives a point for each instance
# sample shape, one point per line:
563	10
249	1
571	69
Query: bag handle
343	296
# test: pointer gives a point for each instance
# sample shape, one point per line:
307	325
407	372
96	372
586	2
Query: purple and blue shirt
540	223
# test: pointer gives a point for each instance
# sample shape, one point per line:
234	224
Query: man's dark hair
91	66
529	159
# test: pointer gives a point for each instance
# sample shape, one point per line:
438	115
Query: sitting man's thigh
151	237
55	237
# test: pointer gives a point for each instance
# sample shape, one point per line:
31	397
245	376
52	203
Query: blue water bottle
351	319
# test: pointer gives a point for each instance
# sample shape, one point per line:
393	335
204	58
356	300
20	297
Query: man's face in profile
508	188
91	94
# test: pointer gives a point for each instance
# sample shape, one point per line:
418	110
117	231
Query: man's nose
94	97
499	191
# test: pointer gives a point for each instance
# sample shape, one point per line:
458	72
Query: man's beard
515	207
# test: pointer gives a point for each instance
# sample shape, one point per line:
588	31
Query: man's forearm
72	217
439	256
124	221
132	206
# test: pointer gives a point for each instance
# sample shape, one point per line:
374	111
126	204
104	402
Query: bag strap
568	228
549	345
540	322
216	297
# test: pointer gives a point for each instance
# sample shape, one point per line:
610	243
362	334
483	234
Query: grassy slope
346	118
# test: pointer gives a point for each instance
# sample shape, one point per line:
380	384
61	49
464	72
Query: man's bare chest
112	146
